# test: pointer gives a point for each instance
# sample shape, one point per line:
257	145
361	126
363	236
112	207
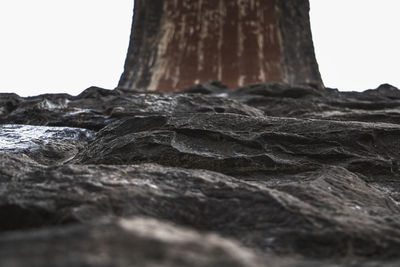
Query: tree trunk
177	43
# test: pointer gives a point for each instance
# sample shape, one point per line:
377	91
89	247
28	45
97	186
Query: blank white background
62	45
357	42
68	45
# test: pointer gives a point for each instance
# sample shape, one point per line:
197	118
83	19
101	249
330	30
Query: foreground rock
124	243
140	242
314	182
326	213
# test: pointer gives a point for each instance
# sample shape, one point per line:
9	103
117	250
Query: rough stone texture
127	242
302	101
95	107
46	145
325	213
263	175
253	148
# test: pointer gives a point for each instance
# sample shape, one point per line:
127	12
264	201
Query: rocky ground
264	175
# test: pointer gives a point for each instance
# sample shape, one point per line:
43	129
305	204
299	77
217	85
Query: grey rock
95	107
8	102
305	101
46	145
295	175
122	243
251	148
326	213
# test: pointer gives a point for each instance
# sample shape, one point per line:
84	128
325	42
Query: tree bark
177	43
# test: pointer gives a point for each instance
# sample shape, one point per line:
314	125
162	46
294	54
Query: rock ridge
263	175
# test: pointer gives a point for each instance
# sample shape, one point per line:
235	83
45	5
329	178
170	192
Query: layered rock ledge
265	175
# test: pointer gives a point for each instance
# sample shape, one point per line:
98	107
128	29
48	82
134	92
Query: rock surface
95	107
47	145
278	99
127	242
268	174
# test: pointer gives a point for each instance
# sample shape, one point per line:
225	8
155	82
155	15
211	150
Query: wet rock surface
264	175
47	145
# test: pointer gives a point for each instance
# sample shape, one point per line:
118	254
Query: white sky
357	42
68	45
62	45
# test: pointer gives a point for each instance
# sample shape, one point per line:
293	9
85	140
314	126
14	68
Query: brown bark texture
177	43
